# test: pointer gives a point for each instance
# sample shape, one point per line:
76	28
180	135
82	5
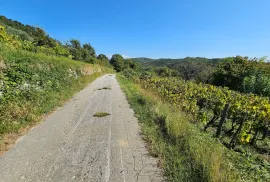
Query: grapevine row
248	114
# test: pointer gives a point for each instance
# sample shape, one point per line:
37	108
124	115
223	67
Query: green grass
186	153
101	114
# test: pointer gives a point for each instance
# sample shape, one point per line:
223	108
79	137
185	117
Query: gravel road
72	145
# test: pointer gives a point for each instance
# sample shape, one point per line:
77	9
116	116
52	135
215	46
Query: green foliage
163	72
249	111
117	61
132	64
18	33
231	72
187	153
32	84
258	83
237	73
30	30
3	35
89	51
245	75
198	69
35	39
103	57
86	53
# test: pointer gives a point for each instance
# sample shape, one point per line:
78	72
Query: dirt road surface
72	145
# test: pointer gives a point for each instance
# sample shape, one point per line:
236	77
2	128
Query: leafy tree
75	44
89	50
189	68
103	57
258	83
117	61
232	71
43	39
163	71
75	49
244	75
132	64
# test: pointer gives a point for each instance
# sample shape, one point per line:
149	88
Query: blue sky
153	28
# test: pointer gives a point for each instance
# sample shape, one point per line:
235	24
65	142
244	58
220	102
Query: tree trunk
253	141
210	122
222	120
232	142
265	133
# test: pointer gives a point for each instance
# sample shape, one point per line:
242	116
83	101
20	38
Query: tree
89	50
103	57
43	39
163	71
232	71
75	49
75	44
132	64
189	69
117	61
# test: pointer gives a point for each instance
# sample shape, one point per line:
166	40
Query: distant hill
143	59
188	68
172	62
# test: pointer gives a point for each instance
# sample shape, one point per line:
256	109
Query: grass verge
29	115
186	153
32	85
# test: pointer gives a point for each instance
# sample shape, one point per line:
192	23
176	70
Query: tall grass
186	153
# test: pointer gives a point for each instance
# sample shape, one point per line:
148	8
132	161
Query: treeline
35	39
237	73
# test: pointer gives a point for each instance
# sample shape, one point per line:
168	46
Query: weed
101	114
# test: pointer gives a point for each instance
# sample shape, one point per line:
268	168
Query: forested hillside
247	75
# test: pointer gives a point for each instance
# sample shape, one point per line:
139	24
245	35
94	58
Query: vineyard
179	121
248	115
237	119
